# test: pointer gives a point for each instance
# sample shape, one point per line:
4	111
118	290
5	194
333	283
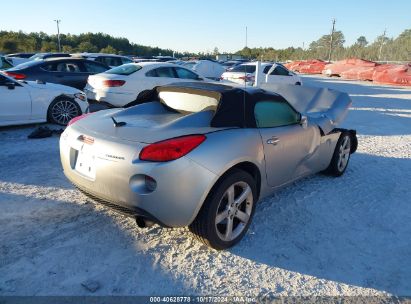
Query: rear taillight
113	83
171	149
78	118
17	76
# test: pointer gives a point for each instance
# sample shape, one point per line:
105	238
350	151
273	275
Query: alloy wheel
344	153
63	111
234	211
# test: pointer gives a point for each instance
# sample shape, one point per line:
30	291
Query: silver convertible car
202	154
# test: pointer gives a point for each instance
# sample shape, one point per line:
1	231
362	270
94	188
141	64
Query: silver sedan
202	155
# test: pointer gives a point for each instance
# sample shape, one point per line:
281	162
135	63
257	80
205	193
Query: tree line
15	42
381	49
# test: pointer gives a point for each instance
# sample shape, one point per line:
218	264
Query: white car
128	84
206	68
110	60
26	102
269	73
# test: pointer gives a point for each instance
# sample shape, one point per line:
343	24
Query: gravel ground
320	236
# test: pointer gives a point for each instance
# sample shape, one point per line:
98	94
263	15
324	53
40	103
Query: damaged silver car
202	155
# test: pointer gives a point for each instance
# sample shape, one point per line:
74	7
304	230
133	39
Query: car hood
325	107
51	86
146	123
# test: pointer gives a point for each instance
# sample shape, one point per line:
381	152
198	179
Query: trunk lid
145	123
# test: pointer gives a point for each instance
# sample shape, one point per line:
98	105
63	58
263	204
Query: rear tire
62	110
227	212
341	156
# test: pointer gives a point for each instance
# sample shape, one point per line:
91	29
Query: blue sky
202	25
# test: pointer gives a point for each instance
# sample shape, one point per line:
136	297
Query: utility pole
58	33
246	36
331	41
382	43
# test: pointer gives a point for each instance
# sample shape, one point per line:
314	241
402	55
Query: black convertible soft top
235	104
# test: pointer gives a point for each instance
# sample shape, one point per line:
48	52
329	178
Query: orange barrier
306	66
397	75
336	68
356	69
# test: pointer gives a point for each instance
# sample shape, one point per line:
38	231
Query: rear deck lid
145	123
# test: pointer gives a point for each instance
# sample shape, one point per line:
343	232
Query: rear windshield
186	102
244	67
27	64
125	69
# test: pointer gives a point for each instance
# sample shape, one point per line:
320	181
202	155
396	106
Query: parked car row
110	60
116	81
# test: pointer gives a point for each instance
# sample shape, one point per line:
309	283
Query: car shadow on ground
56	247
354	229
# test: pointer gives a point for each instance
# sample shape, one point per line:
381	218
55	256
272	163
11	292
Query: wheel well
251	169
142	97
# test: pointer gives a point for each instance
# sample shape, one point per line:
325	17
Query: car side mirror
304	121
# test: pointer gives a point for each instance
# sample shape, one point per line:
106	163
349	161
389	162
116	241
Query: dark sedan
72	72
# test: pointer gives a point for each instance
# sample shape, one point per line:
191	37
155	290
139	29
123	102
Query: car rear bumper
117	99
119	179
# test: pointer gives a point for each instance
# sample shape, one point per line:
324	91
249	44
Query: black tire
298	83
62	110
338	166
205	228
143	96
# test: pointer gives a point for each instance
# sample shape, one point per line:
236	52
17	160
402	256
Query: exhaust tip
143	223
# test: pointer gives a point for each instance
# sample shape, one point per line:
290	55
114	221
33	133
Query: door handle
273	141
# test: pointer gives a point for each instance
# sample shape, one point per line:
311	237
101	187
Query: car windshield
186	102
125	69
244	68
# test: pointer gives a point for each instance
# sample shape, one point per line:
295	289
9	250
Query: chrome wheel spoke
242	216
243	196
229	229
230	195
221	216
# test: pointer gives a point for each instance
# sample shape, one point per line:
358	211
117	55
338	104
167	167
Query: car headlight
81	96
